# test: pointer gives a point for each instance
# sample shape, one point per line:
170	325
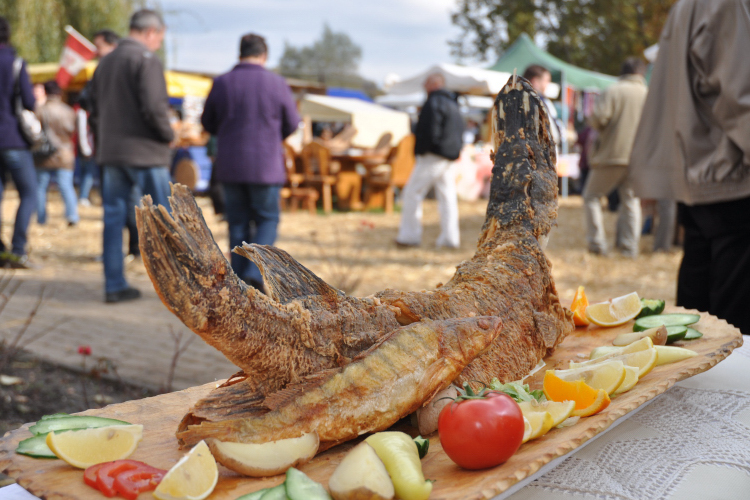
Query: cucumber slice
55	415
275	493
35	447
301	487
72	422
650	307
692	334
665	319
257	495
675	333
423	445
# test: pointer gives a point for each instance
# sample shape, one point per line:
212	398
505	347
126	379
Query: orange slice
580	302
587	399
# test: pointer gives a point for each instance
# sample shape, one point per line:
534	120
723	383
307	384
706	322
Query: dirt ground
355	251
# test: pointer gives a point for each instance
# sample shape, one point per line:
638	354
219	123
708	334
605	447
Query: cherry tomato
478	432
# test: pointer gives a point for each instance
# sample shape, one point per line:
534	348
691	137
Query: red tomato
483	432
132	482
126	477
105	476
89	475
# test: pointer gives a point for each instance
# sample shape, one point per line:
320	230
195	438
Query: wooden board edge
611	417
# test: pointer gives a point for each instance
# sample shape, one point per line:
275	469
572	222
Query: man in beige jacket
615	117
693	146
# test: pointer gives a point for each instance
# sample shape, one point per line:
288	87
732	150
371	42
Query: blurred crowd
673	152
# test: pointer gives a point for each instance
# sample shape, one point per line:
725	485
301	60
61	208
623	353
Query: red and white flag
76	53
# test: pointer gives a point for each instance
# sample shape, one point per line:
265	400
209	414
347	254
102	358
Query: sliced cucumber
675	333
301	487
665	319
650	307
692	334
72	422
55	415
423	445
35	447
275	493
257	495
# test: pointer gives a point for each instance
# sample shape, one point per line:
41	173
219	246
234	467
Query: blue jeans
89	171
252	211
117	188
20	164
64	179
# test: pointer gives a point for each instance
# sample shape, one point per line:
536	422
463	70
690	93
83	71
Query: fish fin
291	392
436	370
284	278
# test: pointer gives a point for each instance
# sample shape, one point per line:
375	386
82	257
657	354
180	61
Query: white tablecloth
692	442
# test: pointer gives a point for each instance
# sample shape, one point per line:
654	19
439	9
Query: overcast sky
396	36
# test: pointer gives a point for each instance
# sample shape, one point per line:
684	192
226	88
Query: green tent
524	52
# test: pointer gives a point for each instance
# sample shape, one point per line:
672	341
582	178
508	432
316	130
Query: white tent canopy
463	80
460	79
370	120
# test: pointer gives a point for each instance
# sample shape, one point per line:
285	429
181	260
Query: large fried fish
383	384
303	326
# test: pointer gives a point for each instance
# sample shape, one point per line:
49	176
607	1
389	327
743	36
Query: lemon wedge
86	447
194	477
559	411
631	378
527	430
616	311
605	352
645	361
541	422
607	374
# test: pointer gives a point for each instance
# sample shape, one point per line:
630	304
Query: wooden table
349	185
160	415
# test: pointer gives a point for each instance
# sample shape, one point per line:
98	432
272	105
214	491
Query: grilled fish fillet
385	383
303	326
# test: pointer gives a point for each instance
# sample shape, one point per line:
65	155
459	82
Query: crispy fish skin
274	342
387	382
304	326
509	275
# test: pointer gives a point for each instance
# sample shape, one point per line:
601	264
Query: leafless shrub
342	272
179	349
12	347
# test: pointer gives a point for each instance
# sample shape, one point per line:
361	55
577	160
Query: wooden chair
382	180
293	191
341	141
316	162
383	147
186	172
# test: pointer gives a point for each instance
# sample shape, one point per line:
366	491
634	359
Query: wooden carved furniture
294	192
382	180
316	162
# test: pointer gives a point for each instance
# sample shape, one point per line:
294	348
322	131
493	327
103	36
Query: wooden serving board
54	479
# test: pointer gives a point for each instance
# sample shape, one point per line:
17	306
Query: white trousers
430	170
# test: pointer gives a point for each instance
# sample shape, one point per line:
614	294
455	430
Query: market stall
371	121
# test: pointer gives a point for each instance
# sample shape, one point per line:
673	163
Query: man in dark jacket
15	157
130	115
438	143
251	111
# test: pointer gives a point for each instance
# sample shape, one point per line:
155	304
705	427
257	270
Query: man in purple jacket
251	111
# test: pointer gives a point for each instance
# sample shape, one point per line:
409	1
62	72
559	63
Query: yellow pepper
399	453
